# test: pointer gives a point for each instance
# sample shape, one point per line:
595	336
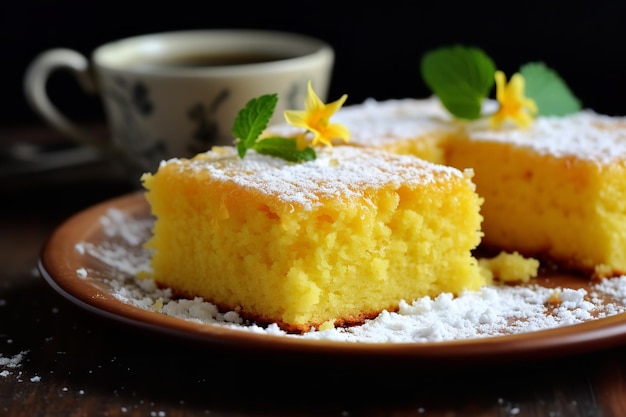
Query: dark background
378	44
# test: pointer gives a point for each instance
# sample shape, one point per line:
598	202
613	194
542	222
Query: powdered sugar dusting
341	172
9	363
586	135
489	312
380	123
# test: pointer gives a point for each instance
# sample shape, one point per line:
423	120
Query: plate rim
59	260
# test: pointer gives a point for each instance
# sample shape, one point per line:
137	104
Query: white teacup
174	94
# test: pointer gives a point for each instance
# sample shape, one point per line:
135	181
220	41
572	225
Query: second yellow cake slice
555	190
326	242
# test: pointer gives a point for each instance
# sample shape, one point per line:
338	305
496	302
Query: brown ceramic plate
60	261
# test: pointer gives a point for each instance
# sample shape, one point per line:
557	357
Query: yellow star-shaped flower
513	104
315	118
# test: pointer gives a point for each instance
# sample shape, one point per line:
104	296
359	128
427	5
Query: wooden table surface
73	363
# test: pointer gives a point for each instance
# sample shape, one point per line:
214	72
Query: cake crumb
602	271
330	324
510	267
555	298
158	305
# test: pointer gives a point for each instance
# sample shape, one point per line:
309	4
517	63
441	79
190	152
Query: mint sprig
461	77
252	120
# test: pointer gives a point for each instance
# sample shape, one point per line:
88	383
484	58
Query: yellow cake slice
332	241
556	190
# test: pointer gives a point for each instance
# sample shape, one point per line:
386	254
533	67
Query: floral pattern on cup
133	100
207	129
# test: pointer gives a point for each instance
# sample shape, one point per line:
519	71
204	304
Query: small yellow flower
513	104
316	119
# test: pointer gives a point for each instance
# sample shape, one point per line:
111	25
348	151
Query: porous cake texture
555	191
307	245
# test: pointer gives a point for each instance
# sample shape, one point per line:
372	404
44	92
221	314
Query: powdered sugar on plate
489	312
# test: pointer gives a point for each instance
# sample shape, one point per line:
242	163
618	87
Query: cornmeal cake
332	241
555	191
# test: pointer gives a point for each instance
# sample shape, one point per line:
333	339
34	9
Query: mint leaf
285	148
551	94
252	120
462	77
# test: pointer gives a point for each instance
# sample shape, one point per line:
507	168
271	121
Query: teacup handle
36	78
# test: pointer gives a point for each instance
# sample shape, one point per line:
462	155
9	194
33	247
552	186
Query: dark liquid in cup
213	60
